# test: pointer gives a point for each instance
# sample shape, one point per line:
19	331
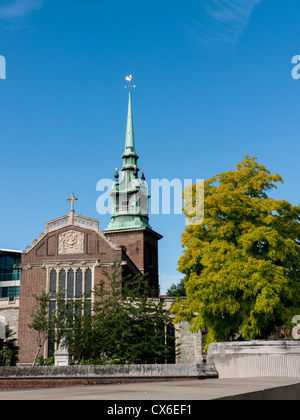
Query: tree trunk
38	351
37	355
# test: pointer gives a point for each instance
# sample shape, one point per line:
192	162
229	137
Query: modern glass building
9	276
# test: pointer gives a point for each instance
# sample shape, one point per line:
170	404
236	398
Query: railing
86	222
58	223
72	220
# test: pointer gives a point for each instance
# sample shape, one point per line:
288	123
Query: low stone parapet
59	376
259	358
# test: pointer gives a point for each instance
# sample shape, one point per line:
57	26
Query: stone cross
72	199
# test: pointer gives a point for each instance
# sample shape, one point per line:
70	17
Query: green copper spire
130	143
130	194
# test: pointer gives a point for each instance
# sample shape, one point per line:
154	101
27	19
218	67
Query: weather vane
129	79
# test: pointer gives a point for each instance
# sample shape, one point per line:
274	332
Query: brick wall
97	251
142	248
32	282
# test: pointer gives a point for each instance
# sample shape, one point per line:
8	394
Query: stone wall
260	358
9	311
190	344
49	377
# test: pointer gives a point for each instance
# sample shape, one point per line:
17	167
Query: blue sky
213	84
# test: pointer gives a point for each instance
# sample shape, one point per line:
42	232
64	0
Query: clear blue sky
213	83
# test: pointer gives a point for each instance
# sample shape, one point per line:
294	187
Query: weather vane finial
129	79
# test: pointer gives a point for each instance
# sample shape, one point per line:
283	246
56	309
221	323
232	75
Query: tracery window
62	280
53	283
88	283
77	283
70	284
78	288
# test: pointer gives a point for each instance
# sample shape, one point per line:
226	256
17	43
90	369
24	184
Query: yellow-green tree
242	264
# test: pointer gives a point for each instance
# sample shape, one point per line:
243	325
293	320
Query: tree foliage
8	348
130	326
48	325
123	326
177	290
241	265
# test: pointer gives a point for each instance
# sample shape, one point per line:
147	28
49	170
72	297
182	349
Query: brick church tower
72	254
129	226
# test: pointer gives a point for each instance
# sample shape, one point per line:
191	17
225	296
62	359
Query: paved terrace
186	390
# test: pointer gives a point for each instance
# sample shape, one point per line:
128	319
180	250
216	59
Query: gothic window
62	280
52	283
78	288
52	309
74	283
88	283
70	284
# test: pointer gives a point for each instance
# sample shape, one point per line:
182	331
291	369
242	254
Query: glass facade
9	276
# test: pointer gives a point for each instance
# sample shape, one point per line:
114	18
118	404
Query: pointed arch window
78	287
62	280
70	284
88	283
52	283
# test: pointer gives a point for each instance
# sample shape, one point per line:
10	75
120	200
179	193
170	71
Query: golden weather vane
129	80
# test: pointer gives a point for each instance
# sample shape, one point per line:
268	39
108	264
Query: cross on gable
72	199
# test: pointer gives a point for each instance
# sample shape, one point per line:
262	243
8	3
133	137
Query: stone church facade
73	253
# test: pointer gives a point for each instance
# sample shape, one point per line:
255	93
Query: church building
72	253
